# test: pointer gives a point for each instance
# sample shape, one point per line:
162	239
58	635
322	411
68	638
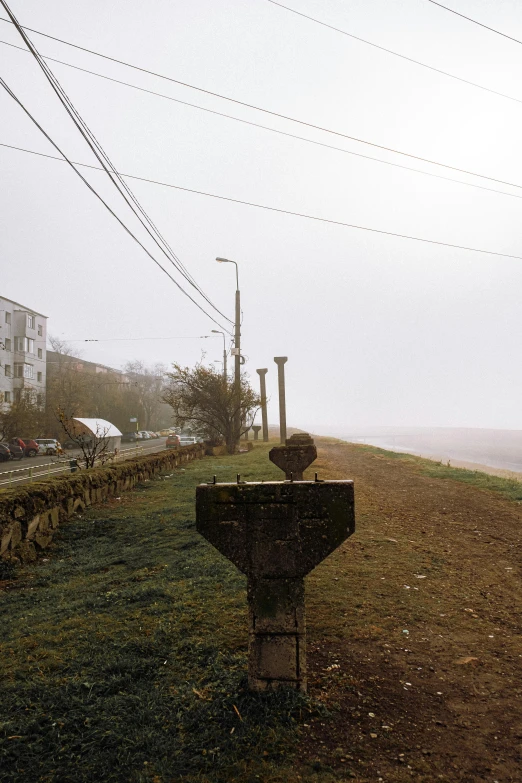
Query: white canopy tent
102	430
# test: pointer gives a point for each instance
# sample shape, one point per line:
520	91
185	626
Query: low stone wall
30	514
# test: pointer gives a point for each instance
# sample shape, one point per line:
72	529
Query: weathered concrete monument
256	428
281	361
264	416
295	456
276	532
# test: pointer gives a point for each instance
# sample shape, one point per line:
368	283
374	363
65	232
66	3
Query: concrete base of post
277	638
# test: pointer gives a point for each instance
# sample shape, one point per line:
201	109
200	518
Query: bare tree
147	385
205	404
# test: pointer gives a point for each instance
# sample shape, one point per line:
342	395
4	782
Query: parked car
152	434
187	440
15	450
48	446
5	452
172	442
129	437
144	435
165	433
31	448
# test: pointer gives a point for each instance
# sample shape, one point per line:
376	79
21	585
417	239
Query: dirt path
414	630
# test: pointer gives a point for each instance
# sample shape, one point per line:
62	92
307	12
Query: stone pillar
276	532
256	428
295	456
245	434
281	361
264	417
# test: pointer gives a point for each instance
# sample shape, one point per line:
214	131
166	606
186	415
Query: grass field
124	650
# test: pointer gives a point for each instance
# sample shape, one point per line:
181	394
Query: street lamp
217	331
236	351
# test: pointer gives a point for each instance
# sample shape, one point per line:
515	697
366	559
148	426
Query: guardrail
63	465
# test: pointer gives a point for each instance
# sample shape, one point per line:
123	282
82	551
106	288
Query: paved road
41	465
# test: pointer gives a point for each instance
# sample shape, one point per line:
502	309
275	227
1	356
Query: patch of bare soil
414	631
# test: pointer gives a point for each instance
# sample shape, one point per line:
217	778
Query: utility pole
236	352
237	361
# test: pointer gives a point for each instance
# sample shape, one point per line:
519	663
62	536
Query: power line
273	113
469	19
290	212
395	54
144	179
95	193
120	185
128	339
262	127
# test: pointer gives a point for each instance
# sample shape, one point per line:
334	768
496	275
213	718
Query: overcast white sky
378	330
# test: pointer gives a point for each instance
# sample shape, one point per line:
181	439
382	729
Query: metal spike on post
264	417
281	361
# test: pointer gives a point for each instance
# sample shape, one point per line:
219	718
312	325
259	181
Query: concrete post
295	456
264	417
276	532
281	361
256	428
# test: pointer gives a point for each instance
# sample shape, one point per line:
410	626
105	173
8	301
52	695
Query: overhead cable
469	19
289	212
105	204
129	339
395	54
120	185
266	127
275	114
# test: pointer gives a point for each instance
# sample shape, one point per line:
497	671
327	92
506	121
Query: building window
24	344
30	321
40	330
8	370
24	371
39	353
39	377
7	343
17	395
8	318
7	396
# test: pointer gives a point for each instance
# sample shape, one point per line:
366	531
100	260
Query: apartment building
23	334
59	361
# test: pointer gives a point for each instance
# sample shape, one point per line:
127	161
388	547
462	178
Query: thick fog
377	329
